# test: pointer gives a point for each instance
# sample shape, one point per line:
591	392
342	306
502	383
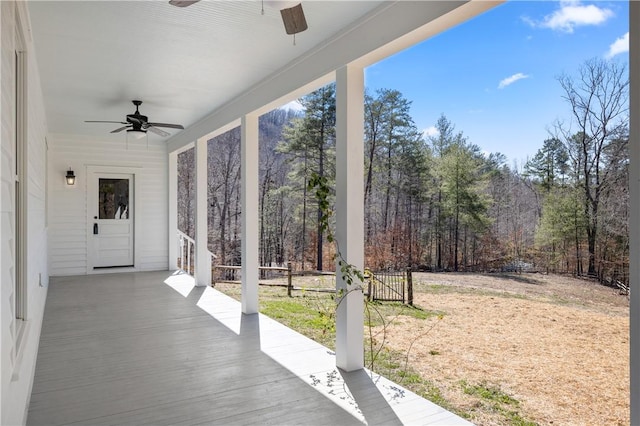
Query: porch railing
186	253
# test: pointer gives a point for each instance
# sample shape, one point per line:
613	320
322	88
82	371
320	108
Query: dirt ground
558	345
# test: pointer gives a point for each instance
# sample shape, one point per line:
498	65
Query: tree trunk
439	233
304	213
319	232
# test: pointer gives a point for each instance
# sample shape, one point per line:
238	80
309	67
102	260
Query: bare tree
599	104
224	188
186	192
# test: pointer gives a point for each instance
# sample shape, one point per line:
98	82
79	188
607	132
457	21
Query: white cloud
621	45
510	80
430	132
573	13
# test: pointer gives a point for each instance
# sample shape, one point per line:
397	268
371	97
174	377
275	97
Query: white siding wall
68	225
18	364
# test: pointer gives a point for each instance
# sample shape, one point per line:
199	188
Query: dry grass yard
551	348
506	350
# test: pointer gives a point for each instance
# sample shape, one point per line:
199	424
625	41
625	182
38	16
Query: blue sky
495	77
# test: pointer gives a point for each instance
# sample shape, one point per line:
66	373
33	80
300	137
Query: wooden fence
275	276
379	286
390	286
232	274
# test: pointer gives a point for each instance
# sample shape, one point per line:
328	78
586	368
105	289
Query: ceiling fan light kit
136	134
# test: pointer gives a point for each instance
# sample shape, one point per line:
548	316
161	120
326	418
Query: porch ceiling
94	57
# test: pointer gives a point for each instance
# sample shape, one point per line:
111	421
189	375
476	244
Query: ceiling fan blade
100	121
173	126
158	131
182	3
119	130
293	19
139	123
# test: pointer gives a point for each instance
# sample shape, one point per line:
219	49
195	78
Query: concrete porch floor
149	348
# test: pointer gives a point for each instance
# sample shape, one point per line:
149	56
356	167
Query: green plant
499	401
490	393
352	276
311	315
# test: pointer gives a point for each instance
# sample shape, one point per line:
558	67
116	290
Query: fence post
409	287
369	277
289	279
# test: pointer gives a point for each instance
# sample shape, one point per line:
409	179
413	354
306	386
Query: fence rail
624	288
380	286
231	274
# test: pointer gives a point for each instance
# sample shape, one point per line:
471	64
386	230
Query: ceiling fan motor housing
136	119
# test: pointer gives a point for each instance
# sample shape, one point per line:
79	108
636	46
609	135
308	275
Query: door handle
95	229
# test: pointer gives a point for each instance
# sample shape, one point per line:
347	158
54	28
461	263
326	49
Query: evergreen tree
310	143
463	184
561	229
395	165
440	146
549	163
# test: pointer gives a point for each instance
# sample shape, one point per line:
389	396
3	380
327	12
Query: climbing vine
350	274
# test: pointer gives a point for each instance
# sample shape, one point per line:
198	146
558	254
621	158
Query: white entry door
110	210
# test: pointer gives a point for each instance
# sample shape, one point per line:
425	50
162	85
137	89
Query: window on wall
113	198
46	183
20	201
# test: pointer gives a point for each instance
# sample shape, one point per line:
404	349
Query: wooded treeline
437	202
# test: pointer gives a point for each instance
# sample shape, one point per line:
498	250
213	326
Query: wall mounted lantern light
71	178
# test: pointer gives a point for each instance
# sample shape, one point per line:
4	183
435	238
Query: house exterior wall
18	351
69	227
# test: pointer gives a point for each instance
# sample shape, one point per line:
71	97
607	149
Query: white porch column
173	211
249	165
634	219
350	212
203	261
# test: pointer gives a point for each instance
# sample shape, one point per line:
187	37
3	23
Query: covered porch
151	348
144	345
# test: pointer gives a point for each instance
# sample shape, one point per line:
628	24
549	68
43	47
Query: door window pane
113	198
